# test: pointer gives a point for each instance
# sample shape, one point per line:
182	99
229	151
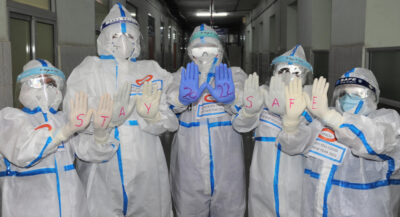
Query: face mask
49	97
123	46
349	102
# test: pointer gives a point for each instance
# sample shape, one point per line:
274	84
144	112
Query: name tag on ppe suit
208	108
327	148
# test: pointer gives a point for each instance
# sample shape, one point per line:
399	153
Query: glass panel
45	41
273	44
321	64
174	50
151	36
386	66
162	43
131	8
101	11
20	47
42	4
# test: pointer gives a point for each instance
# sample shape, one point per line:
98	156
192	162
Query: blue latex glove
224	91
189	91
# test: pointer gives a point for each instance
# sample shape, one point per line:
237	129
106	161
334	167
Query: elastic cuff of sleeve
60	136
101	136
290	125
246	114
178	102
333	119
155	119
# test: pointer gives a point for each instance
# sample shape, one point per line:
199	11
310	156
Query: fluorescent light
133	14
208	14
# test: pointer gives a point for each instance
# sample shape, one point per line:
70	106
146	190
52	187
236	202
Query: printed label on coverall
208	109
327	148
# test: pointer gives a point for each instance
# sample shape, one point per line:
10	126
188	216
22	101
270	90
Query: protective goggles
126	34
354	90
294	70
200	51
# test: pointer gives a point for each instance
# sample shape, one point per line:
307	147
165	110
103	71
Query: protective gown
135	181
207	162
352	171
38	177
274	189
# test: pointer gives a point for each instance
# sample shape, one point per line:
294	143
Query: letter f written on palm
189	90
295	102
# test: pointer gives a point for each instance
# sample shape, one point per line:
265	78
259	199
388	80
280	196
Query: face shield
354	98
40	87
292	64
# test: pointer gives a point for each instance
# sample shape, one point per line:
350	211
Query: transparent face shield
290	71
41	90
348	97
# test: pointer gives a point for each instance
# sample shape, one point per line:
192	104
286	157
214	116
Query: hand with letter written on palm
224	90
190	92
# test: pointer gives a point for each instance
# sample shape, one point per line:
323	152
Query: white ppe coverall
207	162
37	177
366	182
135	181
275	186
37	174
352	157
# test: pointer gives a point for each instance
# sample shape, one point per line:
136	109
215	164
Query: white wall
76	32
348	22
382	23
6	87
321	24
3	21
75	20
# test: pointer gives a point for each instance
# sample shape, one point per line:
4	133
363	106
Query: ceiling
186	11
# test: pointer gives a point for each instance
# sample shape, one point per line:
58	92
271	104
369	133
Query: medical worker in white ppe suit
207	163
352	150
135	181
275	189
37	152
